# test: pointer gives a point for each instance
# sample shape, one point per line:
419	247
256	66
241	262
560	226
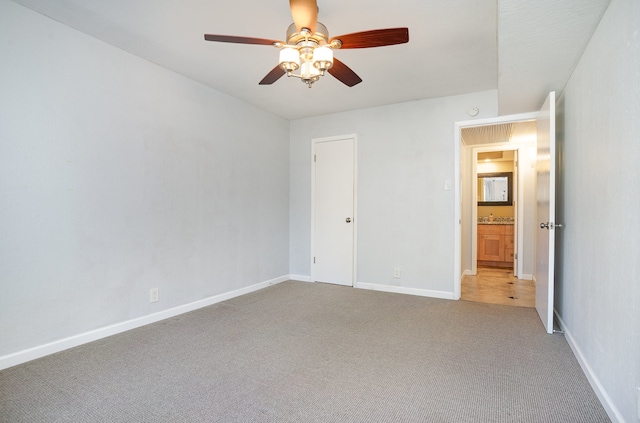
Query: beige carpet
299	352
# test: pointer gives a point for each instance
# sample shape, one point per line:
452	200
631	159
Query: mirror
495	189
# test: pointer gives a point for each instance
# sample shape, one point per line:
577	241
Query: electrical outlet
153	295
396	272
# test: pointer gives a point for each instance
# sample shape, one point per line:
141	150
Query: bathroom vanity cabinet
495	245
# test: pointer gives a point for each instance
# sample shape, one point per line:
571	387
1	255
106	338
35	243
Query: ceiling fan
309	50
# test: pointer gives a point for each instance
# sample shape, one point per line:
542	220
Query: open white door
333	211
545	211
516	196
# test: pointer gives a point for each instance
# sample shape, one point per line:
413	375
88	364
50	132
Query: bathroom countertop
495	223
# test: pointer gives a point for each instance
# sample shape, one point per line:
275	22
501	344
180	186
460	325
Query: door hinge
515	256
314	158
314	260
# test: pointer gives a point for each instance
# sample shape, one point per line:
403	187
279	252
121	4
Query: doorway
494	272
494	278
496	198
333	245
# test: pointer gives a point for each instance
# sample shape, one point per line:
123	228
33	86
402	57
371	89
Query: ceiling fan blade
305	14
374	38
239	40
275	74
344	74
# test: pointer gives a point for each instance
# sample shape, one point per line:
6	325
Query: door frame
314	142
457	215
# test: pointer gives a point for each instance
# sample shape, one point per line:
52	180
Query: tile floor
498	286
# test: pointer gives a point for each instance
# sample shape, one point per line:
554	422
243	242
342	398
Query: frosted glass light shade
323	58
309	71
289	59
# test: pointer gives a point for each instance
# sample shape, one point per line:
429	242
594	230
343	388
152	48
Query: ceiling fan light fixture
289	59
314	53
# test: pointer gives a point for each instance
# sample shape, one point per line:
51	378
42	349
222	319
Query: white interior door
545	211
333	236
515	197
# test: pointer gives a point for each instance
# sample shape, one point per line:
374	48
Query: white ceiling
522	49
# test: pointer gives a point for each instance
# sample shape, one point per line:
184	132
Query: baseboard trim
24	356
300	278
605	399
403	290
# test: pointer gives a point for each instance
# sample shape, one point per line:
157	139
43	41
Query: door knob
550	225
348	220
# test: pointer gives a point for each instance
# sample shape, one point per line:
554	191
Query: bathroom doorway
496	193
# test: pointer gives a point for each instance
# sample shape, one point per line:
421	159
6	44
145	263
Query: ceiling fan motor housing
321	36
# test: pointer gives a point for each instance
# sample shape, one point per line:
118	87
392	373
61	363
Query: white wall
405	216
598	295
117	176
